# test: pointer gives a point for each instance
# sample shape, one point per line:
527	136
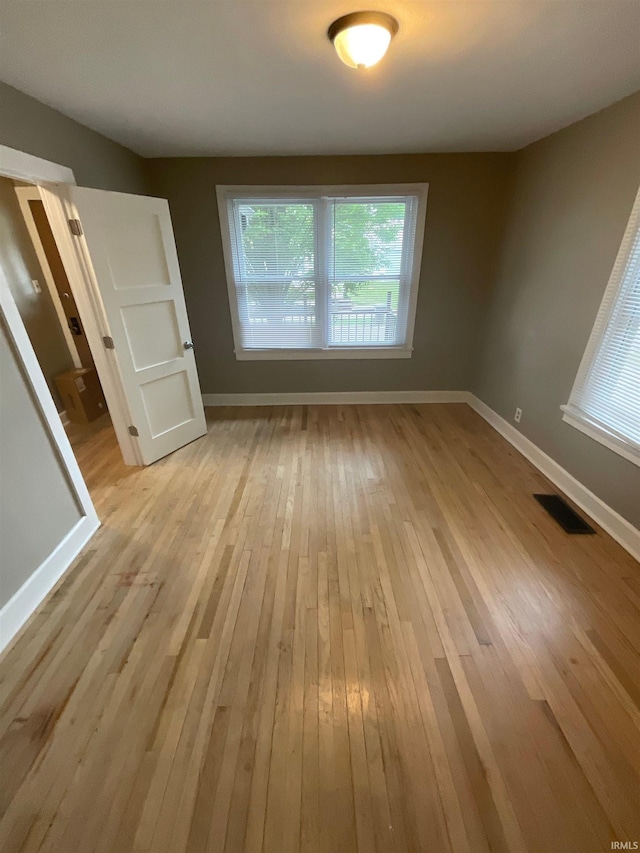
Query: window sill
580	422
362	353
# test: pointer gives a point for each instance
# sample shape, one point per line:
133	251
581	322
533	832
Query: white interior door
131	246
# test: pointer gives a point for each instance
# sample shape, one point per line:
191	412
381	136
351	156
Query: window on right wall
605	399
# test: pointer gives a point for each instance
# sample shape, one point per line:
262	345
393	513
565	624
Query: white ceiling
189	77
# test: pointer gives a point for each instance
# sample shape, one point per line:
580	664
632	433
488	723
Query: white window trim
571	412
351	190
599	433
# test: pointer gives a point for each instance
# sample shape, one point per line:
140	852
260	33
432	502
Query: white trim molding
29	596
606	360
335	398
27	167
344	353
32	593
615	525
42	397
580	421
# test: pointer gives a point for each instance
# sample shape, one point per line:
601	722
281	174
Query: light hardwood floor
330	628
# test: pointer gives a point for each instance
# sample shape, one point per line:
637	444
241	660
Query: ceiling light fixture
361	39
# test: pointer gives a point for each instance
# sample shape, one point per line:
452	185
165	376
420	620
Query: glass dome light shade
362	38
362	46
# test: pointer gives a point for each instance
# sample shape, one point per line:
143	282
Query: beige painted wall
37	506
28	125
467	198
573	195
20	265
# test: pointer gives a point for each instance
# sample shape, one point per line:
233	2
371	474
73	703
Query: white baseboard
23	603
616	526
319	398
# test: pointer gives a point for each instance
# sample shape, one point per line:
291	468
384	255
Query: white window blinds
321	271
275	272
606	394
371	247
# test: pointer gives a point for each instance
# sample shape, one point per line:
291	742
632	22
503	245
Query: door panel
137	252
132	250
163	398
149	350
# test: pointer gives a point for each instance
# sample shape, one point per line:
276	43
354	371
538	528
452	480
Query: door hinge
75	227
133	431
108	342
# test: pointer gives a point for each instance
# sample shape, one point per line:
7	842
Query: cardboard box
82	394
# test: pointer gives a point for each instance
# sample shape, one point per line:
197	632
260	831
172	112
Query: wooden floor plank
322	629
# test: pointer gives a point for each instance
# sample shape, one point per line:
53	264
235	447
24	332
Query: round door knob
188	345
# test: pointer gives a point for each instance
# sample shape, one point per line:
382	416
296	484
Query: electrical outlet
36	285
518	415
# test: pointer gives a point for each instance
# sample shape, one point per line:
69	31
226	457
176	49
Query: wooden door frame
25	195
52	179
